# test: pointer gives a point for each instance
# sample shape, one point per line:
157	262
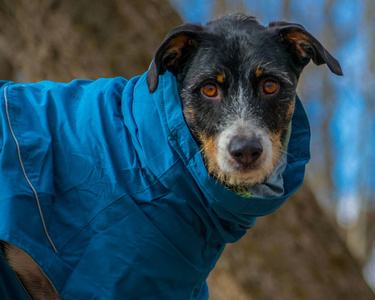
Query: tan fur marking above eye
221	77
258	72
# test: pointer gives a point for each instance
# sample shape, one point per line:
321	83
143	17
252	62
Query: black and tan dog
237	83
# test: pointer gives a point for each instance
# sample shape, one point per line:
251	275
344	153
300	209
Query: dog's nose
244	150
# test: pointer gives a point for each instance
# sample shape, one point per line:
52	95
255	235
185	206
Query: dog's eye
270	87
210	90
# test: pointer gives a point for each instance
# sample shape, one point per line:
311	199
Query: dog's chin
239	177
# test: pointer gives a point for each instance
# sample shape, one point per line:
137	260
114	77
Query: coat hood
228	206
129	210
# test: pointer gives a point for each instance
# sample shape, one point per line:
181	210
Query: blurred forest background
320	245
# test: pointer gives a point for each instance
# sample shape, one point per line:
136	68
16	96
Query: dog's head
237	83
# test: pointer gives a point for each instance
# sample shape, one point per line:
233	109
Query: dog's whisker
285	154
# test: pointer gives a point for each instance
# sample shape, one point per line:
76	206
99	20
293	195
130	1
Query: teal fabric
10	287
124	194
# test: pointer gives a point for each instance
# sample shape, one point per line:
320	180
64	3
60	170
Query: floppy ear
303	46
173	52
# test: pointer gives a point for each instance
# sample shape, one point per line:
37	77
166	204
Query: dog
236	81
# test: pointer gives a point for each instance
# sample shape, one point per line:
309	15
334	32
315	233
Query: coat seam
36	196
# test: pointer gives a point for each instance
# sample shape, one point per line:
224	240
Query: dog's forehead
245	40
234	24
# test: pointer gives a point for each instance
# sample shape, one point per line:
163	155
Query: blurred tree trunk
361	237
295	253
65	39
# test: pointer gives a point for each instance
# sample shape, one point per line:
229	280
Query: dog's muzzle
245	151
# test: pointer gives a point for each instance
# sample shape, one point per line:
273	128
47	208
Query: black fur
238	45
237	56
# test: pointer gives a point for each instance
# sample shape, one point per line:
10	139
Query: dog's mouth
241	158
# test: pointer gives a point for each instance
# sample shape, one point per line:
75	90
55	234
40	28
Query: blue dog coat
103	185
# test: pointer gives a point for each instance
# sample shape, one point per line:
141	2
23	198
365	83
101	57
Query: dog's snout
244	150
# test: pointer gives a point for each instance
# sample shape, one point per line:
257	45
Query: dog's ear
303	46
173	52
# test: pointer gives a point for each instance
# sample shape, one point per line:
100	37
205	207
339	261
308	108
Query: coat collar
227	204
